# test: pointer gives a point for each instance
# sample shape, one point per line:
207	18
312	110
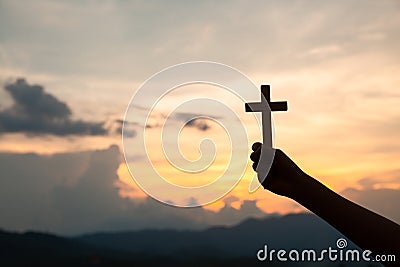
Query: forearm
365	228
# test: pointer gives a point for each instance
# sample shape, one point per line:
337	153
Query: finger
255	166
256	146
255	156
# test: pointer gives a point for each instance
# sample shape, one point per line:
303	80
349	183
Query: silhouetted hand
285	178
365	228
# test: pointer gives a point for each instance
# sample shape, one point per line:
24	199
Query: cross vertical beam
266	112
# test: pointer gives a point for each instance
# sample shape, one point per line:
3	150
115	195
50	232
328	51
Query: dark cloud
200	124
35	111
72	193
197	121
194	120
129	132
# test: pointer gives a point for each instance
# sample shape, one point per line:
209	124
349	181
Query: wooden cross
265	112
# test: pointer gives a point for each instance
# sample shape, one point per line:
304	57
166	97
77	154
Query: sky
69	68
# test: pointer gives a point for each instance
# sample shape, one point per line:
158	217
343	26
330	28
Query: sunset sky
69	68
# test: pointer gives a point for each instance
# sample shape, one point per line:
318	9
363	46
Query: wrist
304	187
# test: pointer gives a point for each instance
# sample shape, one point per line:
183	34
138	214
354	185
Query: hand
365	228
285	178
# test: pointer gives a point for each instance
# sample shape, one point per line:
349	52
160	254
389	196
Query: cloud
375	197
197	121
367	182
129	132
72	193
199	124
230	199
35	111
283	30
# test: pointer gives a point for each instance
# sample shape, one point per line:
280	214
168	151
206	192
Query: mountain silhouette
216	246
245	239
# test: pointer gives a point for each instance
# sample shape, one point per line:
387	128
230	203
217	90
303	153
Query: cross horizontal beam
259	106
